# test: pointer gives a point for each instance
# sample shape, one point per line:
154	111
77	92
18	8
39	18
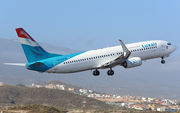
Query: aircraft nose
174	47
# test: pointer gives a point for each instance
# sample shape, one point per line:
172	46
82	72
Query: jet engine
132	62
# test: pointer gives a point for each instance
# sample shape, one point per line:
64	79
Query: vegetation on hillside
33	108
18	95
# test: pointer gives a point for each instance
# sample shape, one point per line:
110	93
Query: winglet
127	53
123	46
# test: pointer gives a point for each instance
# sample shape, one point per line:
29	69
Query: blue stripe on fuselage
49	62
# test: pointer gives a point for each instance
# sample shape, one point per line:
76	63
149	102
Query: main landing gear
162	61
110	72
96	73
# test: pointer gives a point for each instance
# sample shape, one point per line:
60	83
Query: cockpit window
168	43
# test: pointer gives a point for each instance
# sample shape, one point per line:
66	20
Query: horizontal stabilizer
15	64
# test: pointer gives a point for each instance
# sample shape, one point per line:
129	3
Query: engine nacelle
132	62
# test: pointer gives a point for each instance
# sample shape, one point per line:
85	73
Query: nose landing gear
162	61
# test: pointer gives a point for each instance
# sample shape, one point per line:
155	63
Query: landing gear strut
110	72
162	61
96	73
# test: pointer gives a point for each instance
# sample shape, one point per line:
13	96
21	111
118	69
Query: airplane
128	56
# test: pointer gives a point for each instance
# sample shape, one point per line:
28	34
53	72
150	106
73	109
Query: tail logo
23	33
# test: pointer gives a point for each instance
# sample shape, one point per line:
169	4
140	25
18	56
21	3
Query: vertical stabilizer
32	49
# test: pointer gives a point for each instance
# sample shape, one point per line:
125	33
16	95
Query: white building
84	91
61	87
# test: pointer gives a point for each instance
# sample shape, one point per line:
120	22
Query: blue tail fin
32	49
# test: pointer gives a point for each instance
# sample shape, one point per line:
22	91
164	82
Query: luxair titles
149	45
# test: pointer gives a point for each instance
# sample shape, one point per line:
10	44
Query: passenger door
55	65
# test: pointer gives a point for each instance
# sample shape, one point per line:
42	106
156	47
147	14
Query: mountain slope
53	97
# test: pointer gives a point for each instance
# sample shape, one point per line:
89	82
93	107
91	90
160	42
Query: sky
86	25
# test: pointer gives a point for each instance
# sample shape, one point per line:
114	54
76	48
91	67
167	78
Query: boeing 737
128	56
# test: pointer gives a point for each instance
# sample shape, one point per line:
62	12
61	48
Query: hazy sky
84	25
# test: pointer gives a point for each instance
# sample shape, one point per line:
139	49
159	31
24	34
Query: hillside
33	108
16	95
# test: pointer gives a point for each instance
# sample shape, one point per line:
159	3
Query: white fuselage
94	59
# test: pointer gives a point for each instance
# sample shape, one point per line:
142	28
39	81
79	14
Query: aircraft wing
119	60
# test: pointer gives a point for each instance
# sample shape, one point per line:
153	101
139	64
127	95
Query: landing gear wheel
110	72
96	73
163	61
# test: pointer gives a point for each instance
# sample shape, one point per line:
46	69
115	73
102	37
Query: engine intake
132	62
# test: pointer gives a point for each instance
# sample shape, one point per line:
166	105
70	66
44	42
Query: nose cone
174	47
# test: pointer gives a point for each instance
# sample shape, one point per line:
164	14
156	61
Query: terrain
17	95
33	108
